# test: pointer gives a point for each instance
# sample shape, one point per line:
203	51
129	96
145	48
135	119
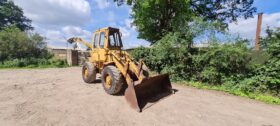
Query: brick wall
73	57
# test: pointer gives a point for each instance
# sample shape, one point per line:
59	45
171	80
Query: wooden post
258	32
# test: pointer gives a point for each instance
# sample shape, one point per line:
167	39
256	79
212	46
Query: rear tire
88	72
116	81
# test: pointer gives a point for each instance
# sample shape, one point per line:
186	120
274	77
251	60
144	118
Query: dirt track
60	97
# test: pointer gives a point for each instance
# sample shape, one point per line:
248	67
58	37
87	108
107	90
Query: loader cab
114	39
107	38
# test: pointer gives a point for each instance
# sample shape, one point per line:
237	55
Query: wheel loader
119	71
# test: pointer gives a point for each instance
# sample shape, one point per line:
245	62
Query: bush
16	44
266	78
222	62
232	65
22	49
32	62
215	64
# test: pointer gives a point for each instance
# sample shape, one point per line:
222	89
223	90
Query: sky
58	20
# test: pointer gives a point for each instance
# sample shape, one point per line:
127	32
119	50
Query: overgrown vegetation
20	47
266	77
228	66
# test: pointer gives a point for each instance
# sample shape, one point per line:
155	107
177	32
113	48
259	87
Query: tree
16	44
156	18
10	14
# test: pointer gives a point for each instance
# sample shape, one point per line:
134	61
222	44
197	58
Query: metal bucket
141	95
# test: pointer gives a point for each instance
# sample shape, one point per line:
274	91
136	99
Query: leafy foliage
33	63
17	44
155	18
213	65
267	77
221	62
272	42
13	15
229	64
223	10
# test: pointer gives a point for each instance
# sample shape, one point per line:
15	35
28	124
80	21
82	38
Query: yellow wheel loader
120	71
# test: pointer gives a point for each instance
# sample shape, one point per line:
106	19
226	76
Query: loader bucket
141	95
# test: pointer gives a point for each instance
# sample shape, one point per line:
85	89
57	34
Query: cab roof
107	28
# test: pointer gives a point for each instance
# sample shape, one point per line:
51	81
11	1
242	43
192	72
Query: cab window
102	39
114	40
95	40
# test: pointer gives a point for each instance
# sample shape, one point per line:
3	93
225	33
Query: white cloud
125	32
58	20
75	31
128	22
72	30
247	28
129	36
58	36
54	35
111	16
56	12
56	39
101	4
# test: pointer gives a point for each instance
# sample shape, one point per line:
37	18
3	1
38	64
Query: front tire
112	80
88	72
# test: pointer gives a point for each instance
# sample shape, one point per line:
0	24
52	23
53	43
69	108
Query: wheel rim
108	81
86	72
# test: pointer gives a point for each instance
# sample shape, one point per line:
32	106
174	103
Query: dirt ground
59	97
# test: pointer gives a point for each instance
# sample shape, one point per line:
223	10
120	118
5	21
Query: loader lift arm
79	40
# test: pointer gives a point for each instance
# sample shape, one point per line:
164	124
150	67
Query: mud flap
141	95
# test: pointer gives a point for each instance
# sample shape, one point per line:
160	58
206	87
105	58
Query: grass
256	96
33	63
34	67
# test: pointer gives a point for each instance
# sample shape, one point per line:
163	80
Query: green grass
257	96
34	67
33	63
